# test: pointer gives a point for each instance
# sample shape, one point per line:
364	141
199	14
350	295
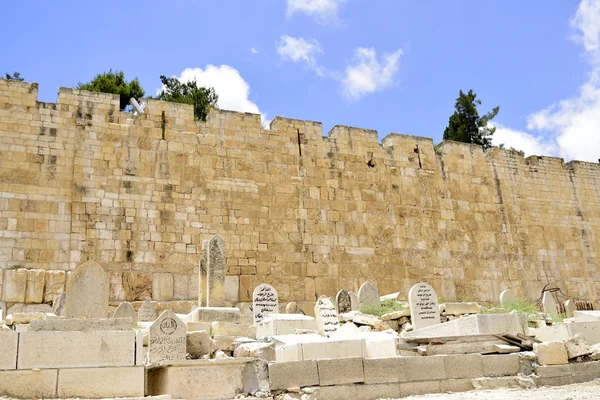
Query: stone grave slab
211	285
126	310
570	308
146	313
87	292
354	304
265	301
549	304
343	302
167	339
368	295
326	316
424	307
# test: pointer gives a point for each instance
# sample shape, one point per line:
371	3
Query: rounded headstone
570	308
507	296
126	310
368	295
326	315
167	338
264	302
87	292
343	302
146	313
424	307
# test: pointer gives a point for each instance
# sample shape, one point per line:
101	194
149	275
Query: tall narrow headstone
368	295
87	292
146	313
507	296
264	302
344	303
211	286
326	315
58	305
549	304
167	338
126	310
570	308
424	308
354	304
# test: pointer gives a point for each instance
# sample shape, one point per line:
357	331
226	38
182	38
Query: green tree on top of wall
465	125
202	98
114	82
16	76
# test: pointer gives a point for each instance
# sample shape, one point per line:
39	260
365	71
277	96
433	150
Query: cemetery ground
363	345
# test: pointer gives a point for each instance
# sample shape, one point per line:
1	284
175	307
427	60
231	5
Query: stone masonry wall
80	180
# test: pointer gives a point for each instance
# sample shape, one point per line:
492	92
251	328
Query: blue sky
390	65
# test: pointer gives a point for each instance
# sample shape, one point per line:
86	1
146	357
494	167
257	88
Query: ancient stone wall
81	180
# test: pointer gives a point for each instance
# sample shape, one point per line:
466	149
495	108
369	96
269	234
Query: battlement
306	212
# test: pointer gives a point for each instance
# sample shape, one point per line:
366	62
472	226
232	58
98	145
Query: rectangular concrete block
76	349
38	384
8	350
424	368
91	324
384	370
415	388
140	354
590	331
210	314
332	349
284	324
96	383
363	392
552	371
222	328
463	366
592	367
456	385
293	374
556	381
339	371
501	365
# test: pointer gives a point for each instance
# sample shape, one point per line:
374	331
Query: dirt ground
579	391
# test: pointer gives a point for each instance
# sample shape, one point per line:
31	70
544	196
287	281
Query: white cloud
523	141
232	89
367	75
300	50
254	51
573	125
325	11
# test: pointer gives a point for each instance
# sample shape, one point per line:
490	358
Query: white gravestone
549	304
424	308
326	316
167	339
87	292
126	310
146	313
354	304
570	308
264	302
507	297
368	295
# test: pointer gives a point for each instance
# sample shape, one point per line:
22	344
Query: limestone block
384	370
550	333
284	324
595	349
101	382
224	343
293	374
221	328
126	310
500	365
556	381
66	324
162	286
87	292
137	285
358	391
332	349
54	285
456	385
14	285
232	289
35	286
199	343
24	318
551	353
264	351
181	287
424	368
209	314
212	379
8	353
368	295
395	315
36	384
416	388
72	349
577	347
592	367
198	326
461	308
378	345
589	331
140	354
460	366
495	383
338	371
586	316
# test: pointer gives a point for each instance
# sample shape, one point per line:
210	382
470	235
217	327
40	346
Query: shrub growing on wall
114	82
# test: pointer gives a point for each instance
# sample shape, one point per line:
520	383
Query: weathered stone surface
167	339
54	285
570	308
460	366
221	328
87	292
507	296
199	343
62	324
147	313
395	315
285	324
24	318
293	308
162	286
211	285
264	351
137	285
354	303
8	355
551	353
14	285
36	384
326	316
293	374
210	314
368	295
343	302
424	368
181	287
461	308
384	370
423	304
577	347
96	383
232	289
265	301
125	310
340	371
549	304
35	286
75	349
58	305
595	351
